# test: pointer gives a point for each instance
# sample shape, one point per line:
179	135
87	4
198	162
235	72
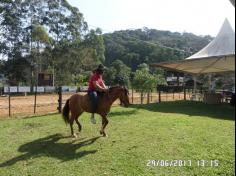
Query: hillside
135	47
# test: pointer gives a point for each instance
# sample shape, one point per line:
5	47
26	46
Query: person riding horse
96	87
79	103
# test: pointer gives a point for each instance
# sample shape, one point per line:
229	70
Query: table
212	98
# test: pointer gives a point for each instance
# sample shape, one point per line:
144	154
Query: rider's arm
103	85
98	87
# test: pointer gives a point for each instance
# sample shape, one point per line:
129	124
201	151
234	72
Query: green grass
166	131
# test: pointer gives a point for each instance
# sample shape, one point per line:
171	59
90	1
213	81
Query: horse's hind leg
79	125
77	121
71	125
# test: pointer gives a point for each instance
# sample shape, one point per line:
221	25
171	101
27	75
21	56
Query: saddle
100	94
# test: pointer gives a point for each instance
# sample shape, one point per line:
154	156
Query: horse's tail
66	112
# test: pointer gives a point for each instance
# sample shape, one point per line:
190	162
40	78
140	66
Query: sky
201	17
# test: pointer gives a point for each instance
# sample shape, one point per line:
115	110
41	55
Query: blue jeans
93	95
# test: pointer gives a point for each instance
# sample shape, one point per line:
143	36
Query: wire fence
31	104
46	100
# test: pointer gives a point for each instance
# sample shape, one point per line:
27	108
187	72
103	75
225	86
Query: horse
79	103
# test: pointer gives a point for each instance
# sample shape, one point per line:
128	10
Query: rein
108	95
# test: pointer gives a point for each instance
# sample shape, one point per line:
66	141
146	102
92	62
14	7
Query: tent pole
195	87
209	82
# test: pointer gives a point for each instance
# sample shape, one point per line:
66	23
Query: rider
96	86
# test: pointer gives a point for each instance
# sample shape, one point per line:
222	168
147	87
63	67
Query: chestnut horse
79	103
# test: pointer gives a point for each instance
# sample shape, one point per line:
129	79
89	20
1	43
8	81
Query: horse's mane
115	87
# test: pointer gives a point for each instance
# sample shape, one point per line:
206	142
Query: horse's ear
126	89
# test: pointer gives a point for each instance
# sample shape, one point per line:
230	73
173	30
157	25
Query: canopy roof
217	56
233	2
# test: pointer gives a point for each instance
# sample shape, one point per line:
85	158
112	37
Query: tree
10	28
17	71
94	40
118	73
145	82
134	47
50	35
41	38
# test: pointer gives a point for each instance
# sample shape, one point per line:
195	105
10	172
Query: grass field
187	131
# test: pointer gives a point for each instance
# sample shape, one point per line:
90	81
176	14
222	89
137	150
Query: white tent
218	56
233	2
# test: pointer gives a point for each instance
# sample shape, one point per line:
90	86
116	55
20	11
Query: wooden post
159	94
141	95
35	98
209	82
9	100
195	88
148	97
184	93
151	95
59	108
132	95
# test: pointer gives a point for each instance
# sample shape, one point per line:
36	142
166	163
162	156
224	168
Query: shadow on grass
222	111
122	113
50	147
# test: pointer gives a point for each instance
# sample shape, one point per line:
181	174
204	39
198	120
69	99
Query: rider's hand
106	90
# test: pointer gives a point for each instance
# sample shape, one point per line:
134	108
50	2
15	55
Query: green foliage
11	28
117	73
135	47
80	80
39	34
17	71
53	36
94	41
144	81
50	35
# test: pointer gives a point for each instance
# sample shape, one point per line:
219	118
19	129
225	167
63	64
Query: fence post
9	101
59	108
141	96
132	95
148	97
184	93
159	93
35	98
151	95
201	90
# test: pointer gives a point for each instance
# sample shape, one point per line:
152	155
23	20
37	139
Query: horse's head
122	93
124	96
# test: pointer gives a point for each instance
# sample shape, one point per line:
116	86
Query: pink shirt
97	78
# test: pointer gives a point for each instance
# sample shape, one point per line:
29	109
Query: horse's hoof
74	136
104	135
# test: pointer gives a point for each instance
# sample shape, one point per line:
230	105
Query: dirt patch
48	103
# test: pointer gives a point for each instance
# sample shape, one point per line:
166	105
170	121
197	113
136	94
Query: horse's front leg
104	124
